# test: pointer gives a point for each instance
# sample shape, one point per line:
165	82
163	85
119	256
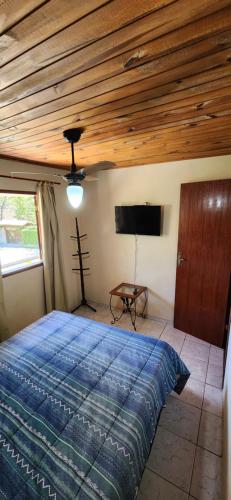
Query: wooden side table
129	294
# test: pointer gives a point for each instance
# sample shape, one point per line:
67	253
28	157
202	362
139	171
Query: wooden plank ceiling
148	79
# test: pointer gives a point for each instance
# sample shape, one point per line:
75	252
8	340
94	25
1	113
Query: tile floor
185	462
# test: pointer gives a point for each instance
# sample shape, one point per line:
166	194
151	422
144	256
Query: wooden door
204	260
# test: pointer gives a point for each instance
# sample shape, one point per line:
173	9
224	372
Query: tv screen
138	219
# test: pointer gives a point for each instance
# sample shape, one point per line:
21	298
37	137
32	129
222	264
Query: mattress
79	405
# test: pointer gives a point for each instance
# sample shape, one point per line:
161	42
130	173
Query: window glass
19	235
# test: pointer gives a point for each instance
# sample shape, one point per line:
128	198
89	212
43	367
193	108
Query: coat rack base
84	303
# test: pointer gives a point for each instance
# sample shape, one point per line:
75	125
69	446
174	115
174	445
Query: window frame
38	222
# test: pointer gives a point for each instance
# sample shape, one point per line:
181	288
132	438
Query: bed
79	405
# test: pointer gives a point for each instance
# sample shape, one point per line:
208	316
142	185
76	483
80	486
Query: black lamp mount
72	135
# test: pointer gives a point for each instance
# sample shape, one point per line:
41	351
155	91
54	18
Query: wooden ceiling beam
152	122
214	98
151	27
111	74
218	125
156	96
54	128
188	120
106	149
145	160
114	152
149	80
64	163
213	128
96	49
210	110
164	145
149	141
172	158
44	22
212	71
13	11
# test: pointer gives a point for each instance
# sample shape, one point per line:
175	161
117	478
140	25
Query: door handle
180	258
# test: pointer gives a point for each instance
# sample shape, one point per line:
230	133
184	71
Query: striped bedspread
79	404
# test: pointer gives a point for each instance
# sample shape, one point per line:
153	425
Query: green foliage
20	207
24	208
30	236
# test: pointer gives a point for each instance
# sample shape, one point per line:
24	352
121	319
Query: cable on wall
135	263
136	249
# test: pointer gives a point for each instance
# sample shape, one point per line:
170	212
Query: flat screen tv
138	219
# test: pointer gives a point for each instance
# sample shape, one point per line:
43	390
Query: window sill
5	274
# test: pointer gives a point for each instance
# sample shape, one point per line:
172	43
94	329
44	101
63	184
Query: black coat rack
81	269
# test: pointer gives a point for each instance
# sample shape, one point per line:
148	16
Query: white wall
24	292
113	255
24	298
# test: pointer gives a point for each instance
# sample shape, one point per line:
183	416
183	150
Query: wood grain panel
148	79
13	11
107	20
216	71
100	114
203	278
144	30
128	116
135	152
85	110
43	23
165	69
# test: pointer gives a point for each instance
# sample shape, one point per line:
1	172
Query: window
19	231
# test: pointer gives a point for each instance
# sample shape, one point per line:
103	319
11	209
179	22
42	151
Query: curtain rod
27	179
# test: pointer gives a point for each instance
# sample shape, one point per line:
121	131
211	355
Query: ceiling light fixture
76	175
75	194
74	188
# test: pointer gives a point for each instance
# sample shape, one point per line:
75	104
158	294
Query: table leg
131	310
115	318
142	314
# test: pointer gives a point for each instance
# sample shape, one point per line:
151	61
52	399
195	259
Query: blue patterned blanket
79	404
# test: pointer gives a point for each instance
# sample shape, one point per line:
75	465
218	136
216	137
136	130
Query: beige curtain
55	291
4	330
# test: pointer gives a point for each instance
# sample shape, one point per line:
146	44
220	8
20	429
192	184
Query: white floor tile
172	458
213	400
210	433
151	327
181	418
174	337
154	487
216	355
197	367
215	374
196	339
192	393
207	476
195	350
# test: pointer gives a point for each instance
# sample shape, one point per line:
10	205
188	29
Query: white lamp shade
75	195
